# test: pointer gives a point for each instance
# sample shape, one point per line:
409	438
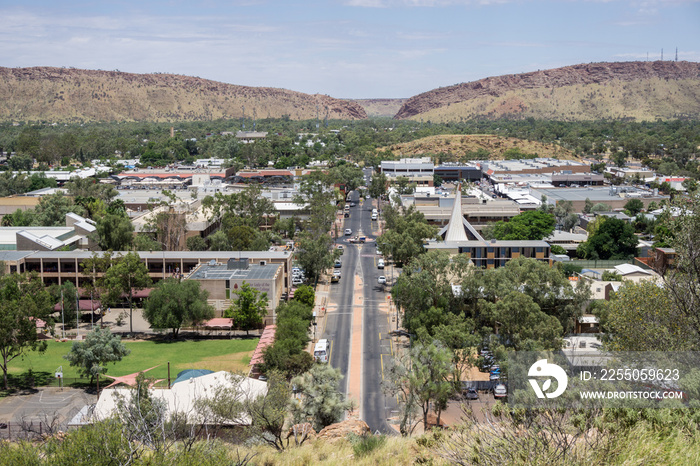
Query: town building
460	237
419	171
222	280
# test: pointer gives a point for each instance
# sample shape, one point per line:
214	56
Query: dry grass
395	451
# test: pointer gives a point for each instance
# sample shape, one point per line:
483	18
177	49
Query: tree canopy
613	239
173	303
99	348
529	225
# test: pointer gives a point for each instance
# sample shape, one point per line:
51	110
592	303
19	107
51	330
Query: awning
83	305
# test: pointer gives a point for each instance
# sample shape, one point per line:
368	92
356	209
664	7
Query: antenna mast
676	53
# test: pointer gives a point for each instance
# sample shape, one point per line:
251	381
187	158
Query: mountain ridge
75	95
522	95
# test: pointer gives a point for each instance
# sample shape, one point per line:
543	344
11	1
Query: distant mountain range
621	90
618	90
72	95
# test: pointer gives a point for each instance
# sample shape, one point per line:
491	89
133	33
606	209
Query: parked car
500	392
471	394
494	377
337	264
381	280
374	216
380	263
352	204
297	281
341	249
348	232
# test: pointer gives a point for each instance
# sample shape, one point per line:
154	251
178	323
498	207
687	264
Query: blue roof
191	374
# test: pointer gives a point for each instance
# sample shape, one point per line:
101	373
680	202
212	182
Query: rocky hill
72	95
622	90
465	147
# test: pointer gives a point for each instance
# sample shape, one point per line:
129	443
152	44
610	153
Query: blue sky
344	48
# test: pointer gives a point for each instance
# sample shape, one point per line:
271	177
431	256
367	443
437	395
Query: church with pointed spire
460	237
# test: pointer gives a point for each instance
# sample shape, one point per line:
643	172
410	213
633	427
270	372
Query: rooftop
222	272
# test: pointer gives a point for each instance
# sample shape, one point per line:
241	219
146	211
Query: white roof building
181	398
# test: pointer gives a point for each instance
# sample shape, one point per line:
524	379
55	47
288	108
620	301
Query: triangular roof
455	229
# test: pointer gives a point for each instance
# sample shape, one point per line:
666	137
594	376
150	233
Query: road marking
381	361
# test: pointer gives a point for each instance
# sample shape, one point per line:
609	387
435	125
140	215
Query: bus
322	351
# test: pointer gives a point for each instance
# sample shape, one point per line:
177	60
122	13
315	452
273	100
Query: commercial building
458	172
538	165
222	280
613	196
57	267
76	234
419	171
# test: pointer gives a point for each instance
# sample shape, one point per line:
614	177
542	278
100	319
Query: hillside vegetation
639	91
71	95
462	147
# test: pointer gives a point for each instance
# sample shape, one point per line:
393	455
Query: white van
375	212
322	351
380	263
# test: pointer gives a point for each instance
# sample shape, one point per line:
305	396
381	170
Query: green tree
52	209
173	304
588	206
305	294
427	282
23	299
92	355
21	162
404	186
377	186
127	275
319	400
530	225
114	232
315	254
406	231
634	206
249	309
614	239
522	324
218	241
643	317
268	412
69	294
144	242
196	243
420	381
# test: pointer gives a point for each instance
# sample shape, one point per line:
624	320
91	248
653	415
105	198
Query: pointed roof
455	229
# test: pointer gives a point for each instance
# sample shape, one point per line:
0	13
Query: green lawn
215	355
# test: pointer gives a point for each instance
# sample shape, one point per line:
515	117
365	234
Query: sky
344	48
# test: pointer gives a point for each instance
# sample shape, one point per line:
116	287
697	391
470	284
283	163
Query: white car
297	281
380	263
374	216
348	232
500	391
381	280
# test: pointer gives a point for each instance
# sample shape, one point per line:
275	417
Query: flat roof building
223	280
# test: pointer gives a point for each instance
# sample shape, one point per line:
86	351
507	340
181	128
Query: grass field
215	355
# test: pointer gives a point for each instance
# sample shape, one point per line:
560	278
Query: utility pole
63	321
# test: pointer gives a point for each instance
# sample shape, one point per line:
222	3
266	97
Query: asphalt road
339	321
376	345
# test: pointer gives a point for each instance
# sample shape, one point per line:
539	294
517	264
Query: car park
381	280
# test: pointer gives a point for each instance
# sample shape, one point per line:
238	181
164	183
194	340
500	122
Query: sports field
215	355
